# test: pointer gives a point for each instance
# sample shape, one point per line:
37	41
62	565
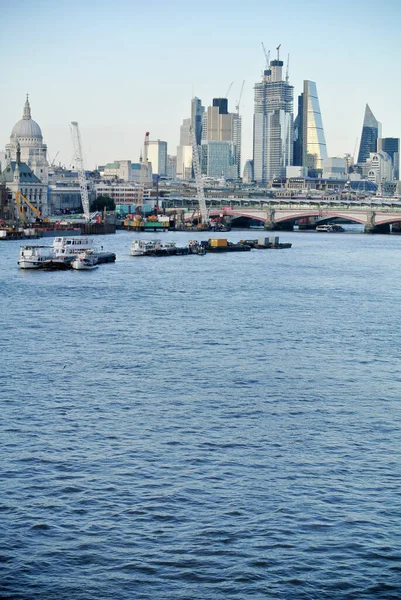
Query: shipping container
217	242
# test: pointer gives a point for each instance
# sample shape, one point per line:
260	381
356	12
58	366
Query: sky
125	67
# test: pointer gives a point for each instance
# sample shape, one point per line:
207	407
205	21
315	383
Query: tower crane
237	105
267	56
76	138
198	180
229	89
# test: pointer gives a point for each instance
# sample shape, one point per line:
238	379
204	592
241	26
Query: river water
217	427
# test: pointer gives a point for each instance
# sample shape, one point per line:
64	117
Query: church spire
27	109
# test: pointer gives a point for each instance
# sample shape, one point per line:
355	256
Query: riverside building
272	123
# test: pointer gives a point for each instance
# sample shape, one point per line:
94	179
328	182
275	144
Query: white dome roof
26	128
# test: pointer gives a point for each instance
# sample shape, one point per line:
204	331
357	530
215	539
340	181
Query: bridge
375	214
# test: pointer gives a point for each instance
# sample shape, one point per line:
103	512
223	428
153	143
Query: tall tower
309	140
272	123
197	111
371	131
392	147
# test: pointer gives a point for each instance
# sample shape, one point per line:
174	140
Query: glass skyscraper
392	147
309	140
272	124
371	131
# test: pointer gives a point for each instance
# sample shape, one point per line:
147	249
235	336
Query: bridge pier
371	228
286	226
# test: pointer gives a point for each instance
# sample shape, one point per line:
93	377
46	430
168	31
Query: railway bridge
376	215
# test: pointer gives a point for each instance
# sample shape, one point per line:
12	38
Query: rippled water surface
212	427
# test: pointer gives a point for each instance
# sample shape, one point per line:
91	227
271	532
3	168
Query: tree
103	202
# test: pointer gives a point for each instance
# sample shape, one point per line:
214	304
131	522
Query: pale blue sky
121	68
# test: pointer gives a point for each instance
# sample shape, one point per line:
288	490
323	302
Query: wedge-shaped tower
371	131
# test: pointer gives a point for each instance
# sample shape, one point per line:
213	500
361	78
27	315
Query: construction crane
76	138
237	105
54	159
21	213
198	180
229	89
267	56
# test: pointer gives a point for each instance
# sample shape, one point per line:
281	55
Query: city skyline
96	75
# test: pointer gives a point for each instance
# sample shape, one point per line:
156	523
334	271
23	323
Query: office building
184	152
217	159
392	147
157	155
371	131
221	126
247	176
309	140
379	168
197	111
272	124
171	166
335	168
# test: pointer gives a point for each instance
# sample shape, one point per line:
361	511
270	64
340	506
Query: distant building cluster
286	150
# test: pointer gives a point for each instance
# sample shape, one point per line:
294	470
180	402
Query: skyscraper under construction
272	123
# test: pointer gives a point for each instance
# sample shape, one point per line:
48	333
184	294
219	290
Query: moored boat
33	257
68	246
143	247
330	228
85	261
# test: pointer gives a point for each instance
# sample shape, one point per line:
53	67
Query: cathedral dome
26	127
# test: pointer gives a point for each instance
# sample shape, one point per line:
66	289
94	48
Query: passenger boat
330	228
33	257
65	249
143	247
85	261
68	246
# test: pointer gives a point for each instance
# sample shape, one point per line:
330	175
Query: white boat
68	246
330	228
85	261
143	247
33	257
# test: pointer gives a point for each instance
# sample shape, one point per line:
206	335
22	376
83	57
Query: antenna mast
76	138
288	68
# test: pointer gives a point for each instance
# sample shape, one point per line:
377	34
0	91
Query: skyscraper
184	152
309	140
392	147
197	111
157	155
221	126
371	130
272	124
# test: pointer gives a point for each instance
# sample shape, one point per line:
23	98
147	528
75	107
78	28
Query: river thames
203	427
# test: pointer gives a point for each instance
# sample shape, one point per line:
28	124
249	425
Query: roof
26	175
